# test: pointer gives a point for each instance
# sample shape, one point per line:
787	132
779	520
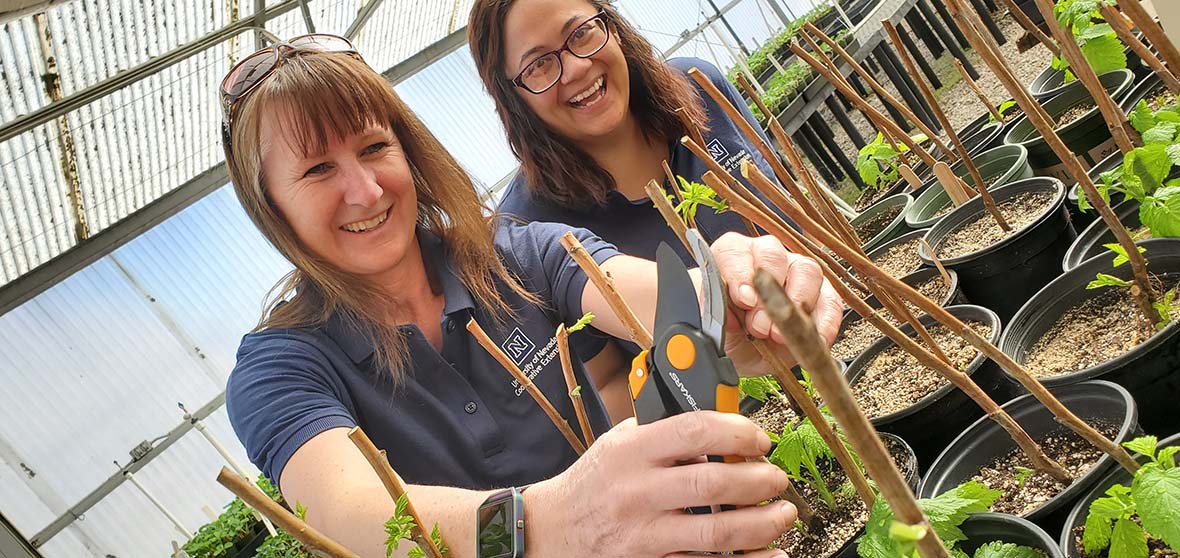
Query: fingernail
761	323
763	442
747	296
788	510
779	554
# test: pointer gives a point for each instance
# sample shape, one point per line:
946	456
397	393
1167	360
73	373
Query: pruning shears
686	368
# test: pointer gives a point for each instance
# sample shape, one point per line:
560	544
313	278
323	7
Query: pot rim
1122	211
904	200
1031	140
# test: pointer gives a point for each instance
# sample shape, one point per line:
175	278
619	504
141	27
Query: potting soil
871	195
894	379
860	334
840	525
900	260
1074	113
1101	328
871	228
1063	446
976	235
1164	99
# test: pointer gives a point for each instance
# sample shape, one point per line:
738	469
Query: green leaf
582	322
1096	31
1157	499
759	387
1098	530
576	392
1104	280
1160	212
948	510
1128	540
1163	307
1001	549
1163	133
1165	115
1022	475
1142	119
695	195
1167	457
1173	152
906	533
1120	255
1105	53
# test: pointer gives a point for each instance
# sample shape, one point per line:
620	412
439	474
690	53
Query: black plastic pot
987	137
982	528
984	441
1008	163
1149	86
884	247
1077	516
849	549
1088	136
933	421
1002	276
954	295
895	228
1148	371
1051	83
1091	240
1082	218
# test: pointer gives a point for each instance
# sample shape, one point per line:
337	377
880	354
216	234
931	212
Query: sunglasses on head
245	76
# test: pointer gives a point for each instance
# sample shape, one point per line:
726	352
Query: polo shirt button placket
450	325
470	407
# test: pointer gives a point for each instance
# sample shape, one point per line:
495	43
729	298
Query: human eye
375	148
318	169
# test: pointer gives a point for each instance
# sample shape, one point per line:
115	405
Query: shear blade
676	301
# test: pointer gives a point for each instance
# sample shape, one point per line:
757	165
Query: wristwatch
499	525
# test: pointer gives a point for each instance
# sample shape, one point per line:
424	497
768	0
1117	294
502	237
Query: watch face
497	534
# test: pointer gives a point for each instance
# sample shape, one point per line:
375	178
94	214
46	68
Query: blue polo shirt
459	419
636	227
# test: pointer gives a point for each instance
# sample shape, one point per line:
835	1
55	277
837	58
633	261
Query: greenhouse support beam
188	535
729	27
228	457
113	482
687	36
427	56
12	544
127	77
362	17
307	21
778	12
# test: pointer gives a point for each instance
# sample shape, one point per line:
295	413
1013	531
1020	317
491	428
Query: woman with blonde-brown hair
393	255
591	113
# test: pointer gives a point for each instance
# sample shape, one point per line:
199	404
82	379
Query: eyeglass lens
585	41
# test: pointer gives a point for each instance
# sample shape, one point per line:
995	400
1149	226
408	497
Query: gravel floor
958	100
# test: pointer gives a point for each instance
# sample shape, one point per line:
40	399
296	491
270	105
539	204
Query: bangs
326	96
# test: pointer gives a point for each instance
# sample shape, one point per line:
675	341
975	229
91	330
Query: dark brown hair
318	95
556	169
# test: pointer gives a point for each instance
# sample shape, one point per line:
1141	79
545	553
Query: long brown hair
319	94
556	169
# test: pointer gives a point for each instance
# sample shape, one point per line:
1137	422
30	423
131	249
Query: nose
573	67
360	185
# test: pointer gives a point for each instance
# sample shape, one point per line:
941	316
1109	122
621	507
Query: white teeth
362	226
589	91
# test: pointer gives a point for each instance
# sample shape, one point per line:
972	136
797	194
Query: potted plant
999	166
1098	41
237	532
1078	123
883	221
985	452
1140	507
878	163
1000	269
903	397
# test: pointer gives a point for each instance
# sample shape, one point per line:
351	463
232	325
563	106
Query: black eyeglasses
584	41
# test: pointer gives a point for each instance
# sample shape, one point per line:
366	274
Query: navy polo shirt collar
350	335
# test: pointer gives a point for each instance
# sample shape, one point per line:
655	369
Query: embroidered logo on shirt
518	346
535	365
717	150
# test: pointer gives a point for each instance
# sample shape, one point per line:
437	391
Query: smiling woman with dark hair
591	113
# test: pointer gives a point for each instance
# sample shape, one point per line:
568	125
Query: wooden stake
946	275
1028	25
606	286
1124	135
876	86
989	202
313	540
1044	124
396	489
672	180
571	383
692	130
1119	22
910	177
983	98
524	381
881	120
1154	33
805	342
868	269
950	184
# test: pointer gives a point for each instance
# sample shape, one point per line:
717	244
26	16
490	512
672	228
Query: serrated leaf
1128	540
1163	307
1097	534
876	542
1120	255
1001	549
582	322
1164	115
1104	280
1173	152
906	533
759	387
1105	53
948	510
1163	133
1167	456
1144	168
1157	500
1160	212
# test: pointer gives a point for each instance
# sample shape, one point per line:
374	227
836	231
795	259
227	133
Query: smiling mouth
360	227
590	96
